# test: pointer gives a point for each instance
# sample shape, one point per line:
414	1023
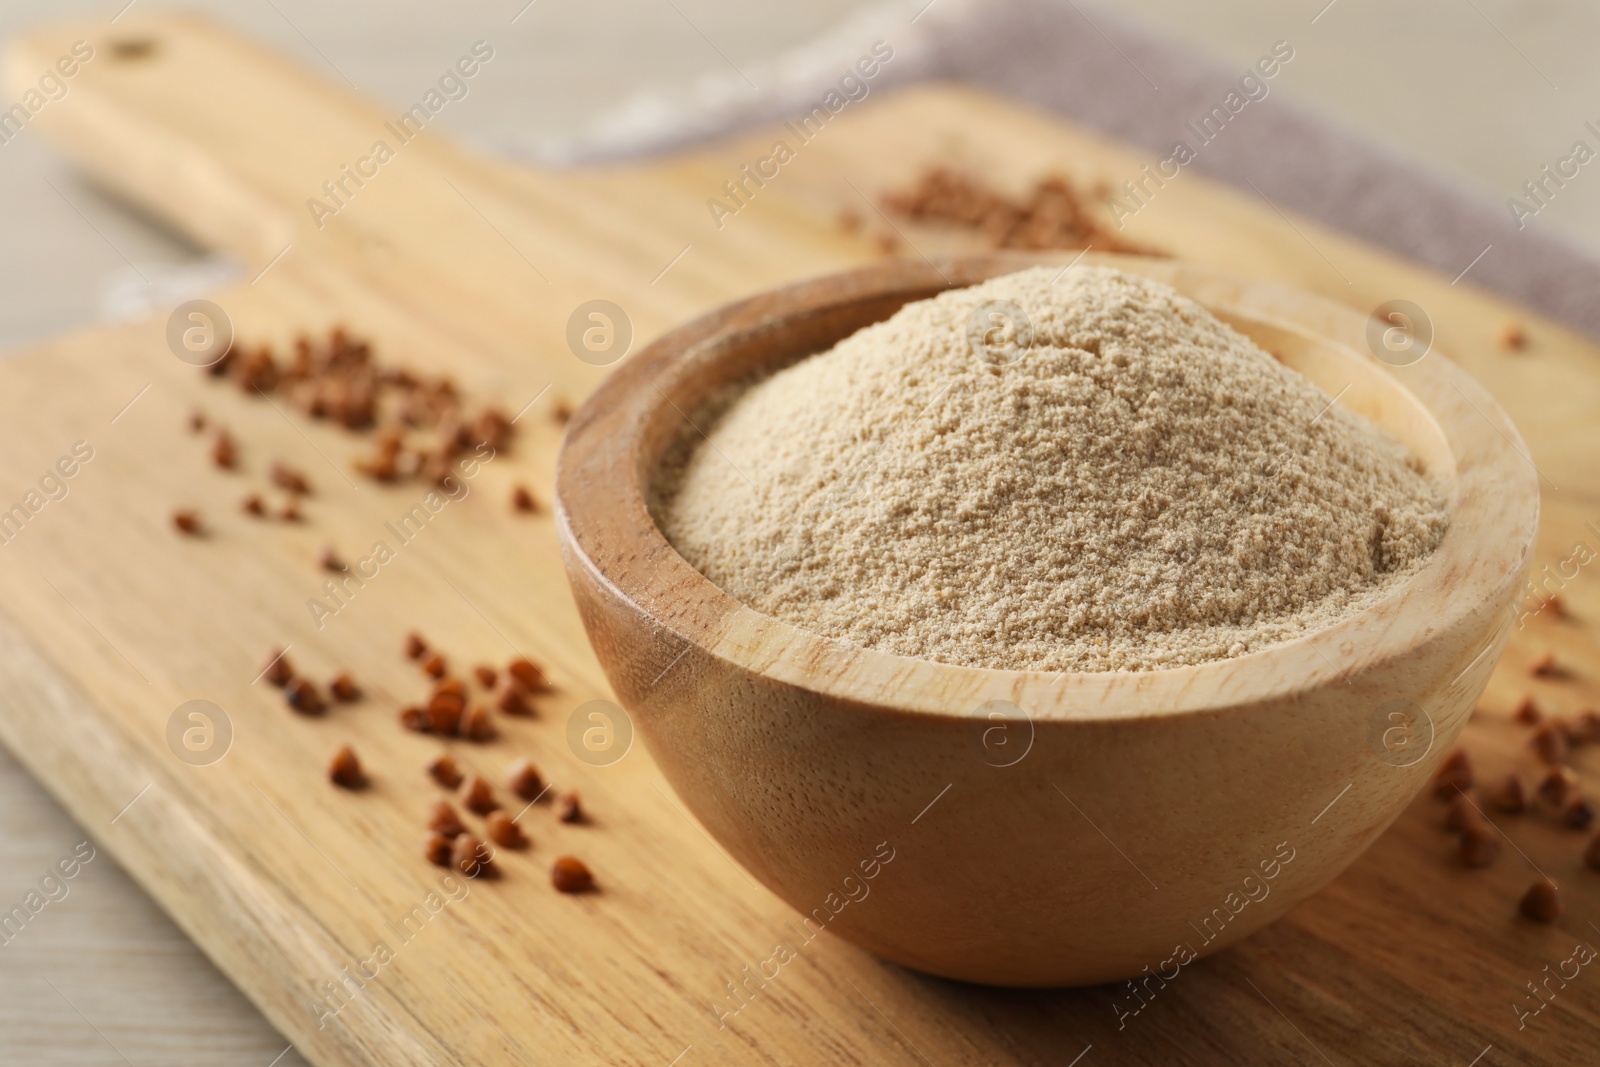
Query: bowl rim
602	483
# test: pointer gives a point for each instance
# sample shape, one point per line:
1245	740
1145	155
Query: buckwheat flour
1143	487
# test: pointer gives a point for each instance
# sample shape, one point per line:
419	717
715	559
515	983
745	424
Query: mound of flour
1140	487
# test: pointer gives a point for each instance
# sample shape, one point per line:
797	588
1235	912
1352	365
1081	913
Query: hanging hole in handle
130	48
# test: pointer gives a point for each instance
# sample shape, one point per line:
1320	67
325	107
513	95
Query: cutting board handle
247	153
251	155
213	136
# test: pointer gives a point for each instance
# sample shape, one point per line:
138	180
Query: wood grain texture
450	262
100	972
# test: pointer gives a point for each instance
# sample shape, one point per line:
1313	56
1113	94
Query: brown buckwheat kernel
523	779
1462	813
1479	845
444	771
1549	743
303	697
437	850
187	522
569	808
443	820
289	479
503	831
1557	786
1584	729
444	714
527	674
345	769
1577	812
223	453
1455	773
1542	902
471	857
478	796
476	725
514	701
1510	796
344	689
570	875
278	670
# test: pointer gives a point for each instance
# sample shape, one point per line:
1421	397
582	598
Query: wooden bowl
1024	827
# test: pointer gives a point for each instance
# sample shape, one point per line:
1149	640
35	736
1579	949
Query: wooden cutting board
111	621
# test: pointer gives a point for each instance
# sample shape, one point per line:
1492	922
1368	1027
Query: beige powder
1143	487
